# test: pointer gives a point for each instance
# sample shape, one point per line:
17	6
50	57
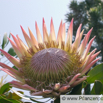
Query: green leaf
87	90
20	94
14	101
97	88
5	100
95	74
84	84
29	97
4	41
8	40
77	90
5	88
57	100
15	67
11	51
35	100
86	87
15	96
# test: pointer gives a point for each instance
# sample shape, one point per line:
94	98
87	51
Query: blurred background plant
2	80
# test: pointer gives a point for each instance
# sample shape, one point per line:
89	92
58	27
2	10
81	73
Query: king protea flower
50	66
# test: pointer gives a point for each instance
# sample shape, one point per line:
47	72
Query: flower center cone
47	67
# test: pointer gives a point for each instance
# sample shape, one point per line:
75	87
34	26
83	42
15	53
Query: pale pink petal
22	44
74	79
78	38
45	33
24	47
88	35
84	42
22	85
11	69
34	41
11	73
39	37
57	86
82	46
93	57
47	91
15	61
88	48
16	49
59	36
28	40
52	31
70	33
88	58
79	81
63	33
89	66
37	93
17	43
64	88
8	72
78	31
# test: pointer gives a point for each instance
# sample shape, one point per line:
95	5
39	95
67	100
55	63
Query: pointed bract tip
17	35
35	23
72	20
21	27
36	26
28	28
11	34
99	51
8	38
43	21
61	22
95	49
71	23
51	20
80	24
94	37
99	58
64	25
91	29
44	25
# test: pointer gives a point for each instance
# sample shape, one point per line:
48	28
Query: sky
14	13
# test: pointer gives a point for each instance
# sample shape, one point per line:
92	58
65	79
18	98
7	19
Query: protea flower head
50	66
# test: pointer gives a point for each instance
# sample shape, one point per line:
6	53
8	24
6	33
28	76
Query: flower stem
57	100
